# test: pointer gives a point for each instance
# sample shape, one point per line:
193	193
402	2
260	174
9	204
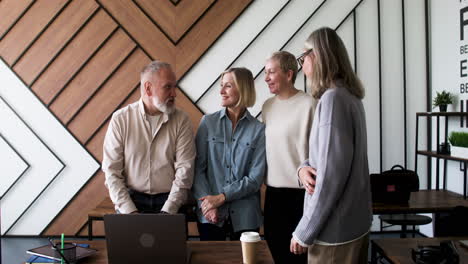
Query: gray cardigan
340	209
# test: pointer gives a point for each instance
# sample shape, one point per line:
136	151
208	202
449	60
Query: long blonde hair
331	64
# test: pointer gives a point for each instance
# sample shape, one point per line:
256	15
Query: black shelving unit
433	154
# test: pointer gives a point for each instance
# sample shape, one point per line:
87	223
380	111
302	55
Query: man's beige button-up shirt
135	158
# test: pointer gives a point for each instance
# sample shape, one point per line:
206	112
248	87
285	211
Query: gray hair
154	67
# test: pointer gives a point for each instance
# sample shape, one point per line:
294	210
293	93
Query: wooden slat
10	10
108	97
187	13
95	144
24	32
91	77
141	29
54	38
174	20
206	31
163	13
184	103
75	215
73	56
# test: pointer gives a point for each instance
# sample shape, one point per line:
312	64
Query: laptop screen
145	238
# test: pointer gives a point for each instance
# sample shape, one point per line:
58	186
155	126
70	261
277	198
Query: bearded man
149	148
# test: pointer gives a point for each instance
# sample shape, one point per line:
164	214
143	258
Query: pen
63	238
59	251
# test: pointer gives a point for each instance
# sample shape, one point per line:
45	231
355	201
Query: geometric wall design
79	61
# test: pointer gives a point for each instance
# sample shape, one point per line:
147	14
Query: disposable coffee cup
68	251
250	243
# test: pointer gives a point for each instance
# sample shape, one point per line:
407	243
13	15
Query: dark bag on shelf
393	186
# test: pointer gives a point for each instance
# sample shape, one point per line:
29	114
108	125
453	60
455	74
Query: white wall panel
416	82
287	22
368	71
346	33
228	46
45	166
12	166
392	83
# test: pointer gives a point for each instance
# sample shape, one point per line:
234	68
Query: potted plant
443	99
459	141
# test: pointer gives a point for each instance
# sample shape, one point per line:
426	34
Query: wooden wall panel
10	11
83	58
205	32
111	94
69	62
74	216
141	29
184	103
54	38
92	76
94	144
174	20
26	30
163	13
188	12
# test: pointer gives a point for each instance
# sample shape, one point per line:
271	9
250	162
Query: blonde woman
337	216
230	163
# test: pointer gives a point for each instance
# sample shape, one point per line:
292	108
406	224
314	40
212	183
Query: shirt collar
247	114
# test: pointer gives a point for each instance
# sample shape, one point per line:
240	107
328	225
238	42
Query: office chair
404	220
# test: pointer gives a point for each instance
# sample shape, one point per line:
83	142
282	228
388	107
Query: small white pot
459	152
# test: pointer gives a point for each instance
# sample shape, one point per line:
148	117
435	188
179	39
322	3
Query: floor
13	250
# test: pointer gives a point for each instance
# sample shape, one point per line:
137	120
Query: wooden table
398	250
202	252
424	201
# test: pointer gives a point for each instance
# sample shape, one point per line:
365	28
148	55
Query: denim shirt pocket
243	155
216	147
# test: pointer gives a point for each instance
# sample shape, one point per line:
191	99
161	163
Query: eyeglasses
301	57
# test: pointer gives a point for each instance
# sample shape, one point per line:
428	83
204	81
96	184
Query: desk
424	201
398	250
202	252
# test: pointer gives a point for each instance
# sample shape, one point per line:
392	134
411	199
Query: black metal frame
431	154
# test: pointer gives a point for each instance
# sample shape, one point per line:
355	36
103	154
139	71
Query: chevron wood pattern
82	60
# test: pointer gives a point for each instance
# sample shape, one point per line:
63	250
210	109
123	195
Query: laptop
146	238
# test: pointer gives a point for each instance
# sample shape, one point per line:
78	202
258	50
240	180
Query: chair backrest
453	223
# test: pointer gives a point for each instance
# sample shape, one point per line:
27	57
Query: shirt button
232	212
228	166
233	139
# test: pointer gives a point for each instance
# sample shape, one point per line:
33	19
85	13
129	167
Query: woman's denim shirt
233	163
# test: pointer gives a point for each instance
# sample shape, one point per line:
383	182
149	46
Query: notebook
146	238
47	254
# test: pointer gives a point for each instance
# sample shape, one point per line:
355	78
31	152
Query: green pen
63	238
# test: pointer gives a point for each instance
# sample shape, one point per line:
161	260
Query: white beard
163	107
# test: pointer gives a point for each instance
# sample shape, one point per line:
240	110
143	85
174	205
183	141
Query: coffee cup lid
250	237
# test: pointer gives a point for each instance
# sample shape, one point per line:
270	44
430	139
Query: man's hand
212	216
296	248
307	177
211	202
